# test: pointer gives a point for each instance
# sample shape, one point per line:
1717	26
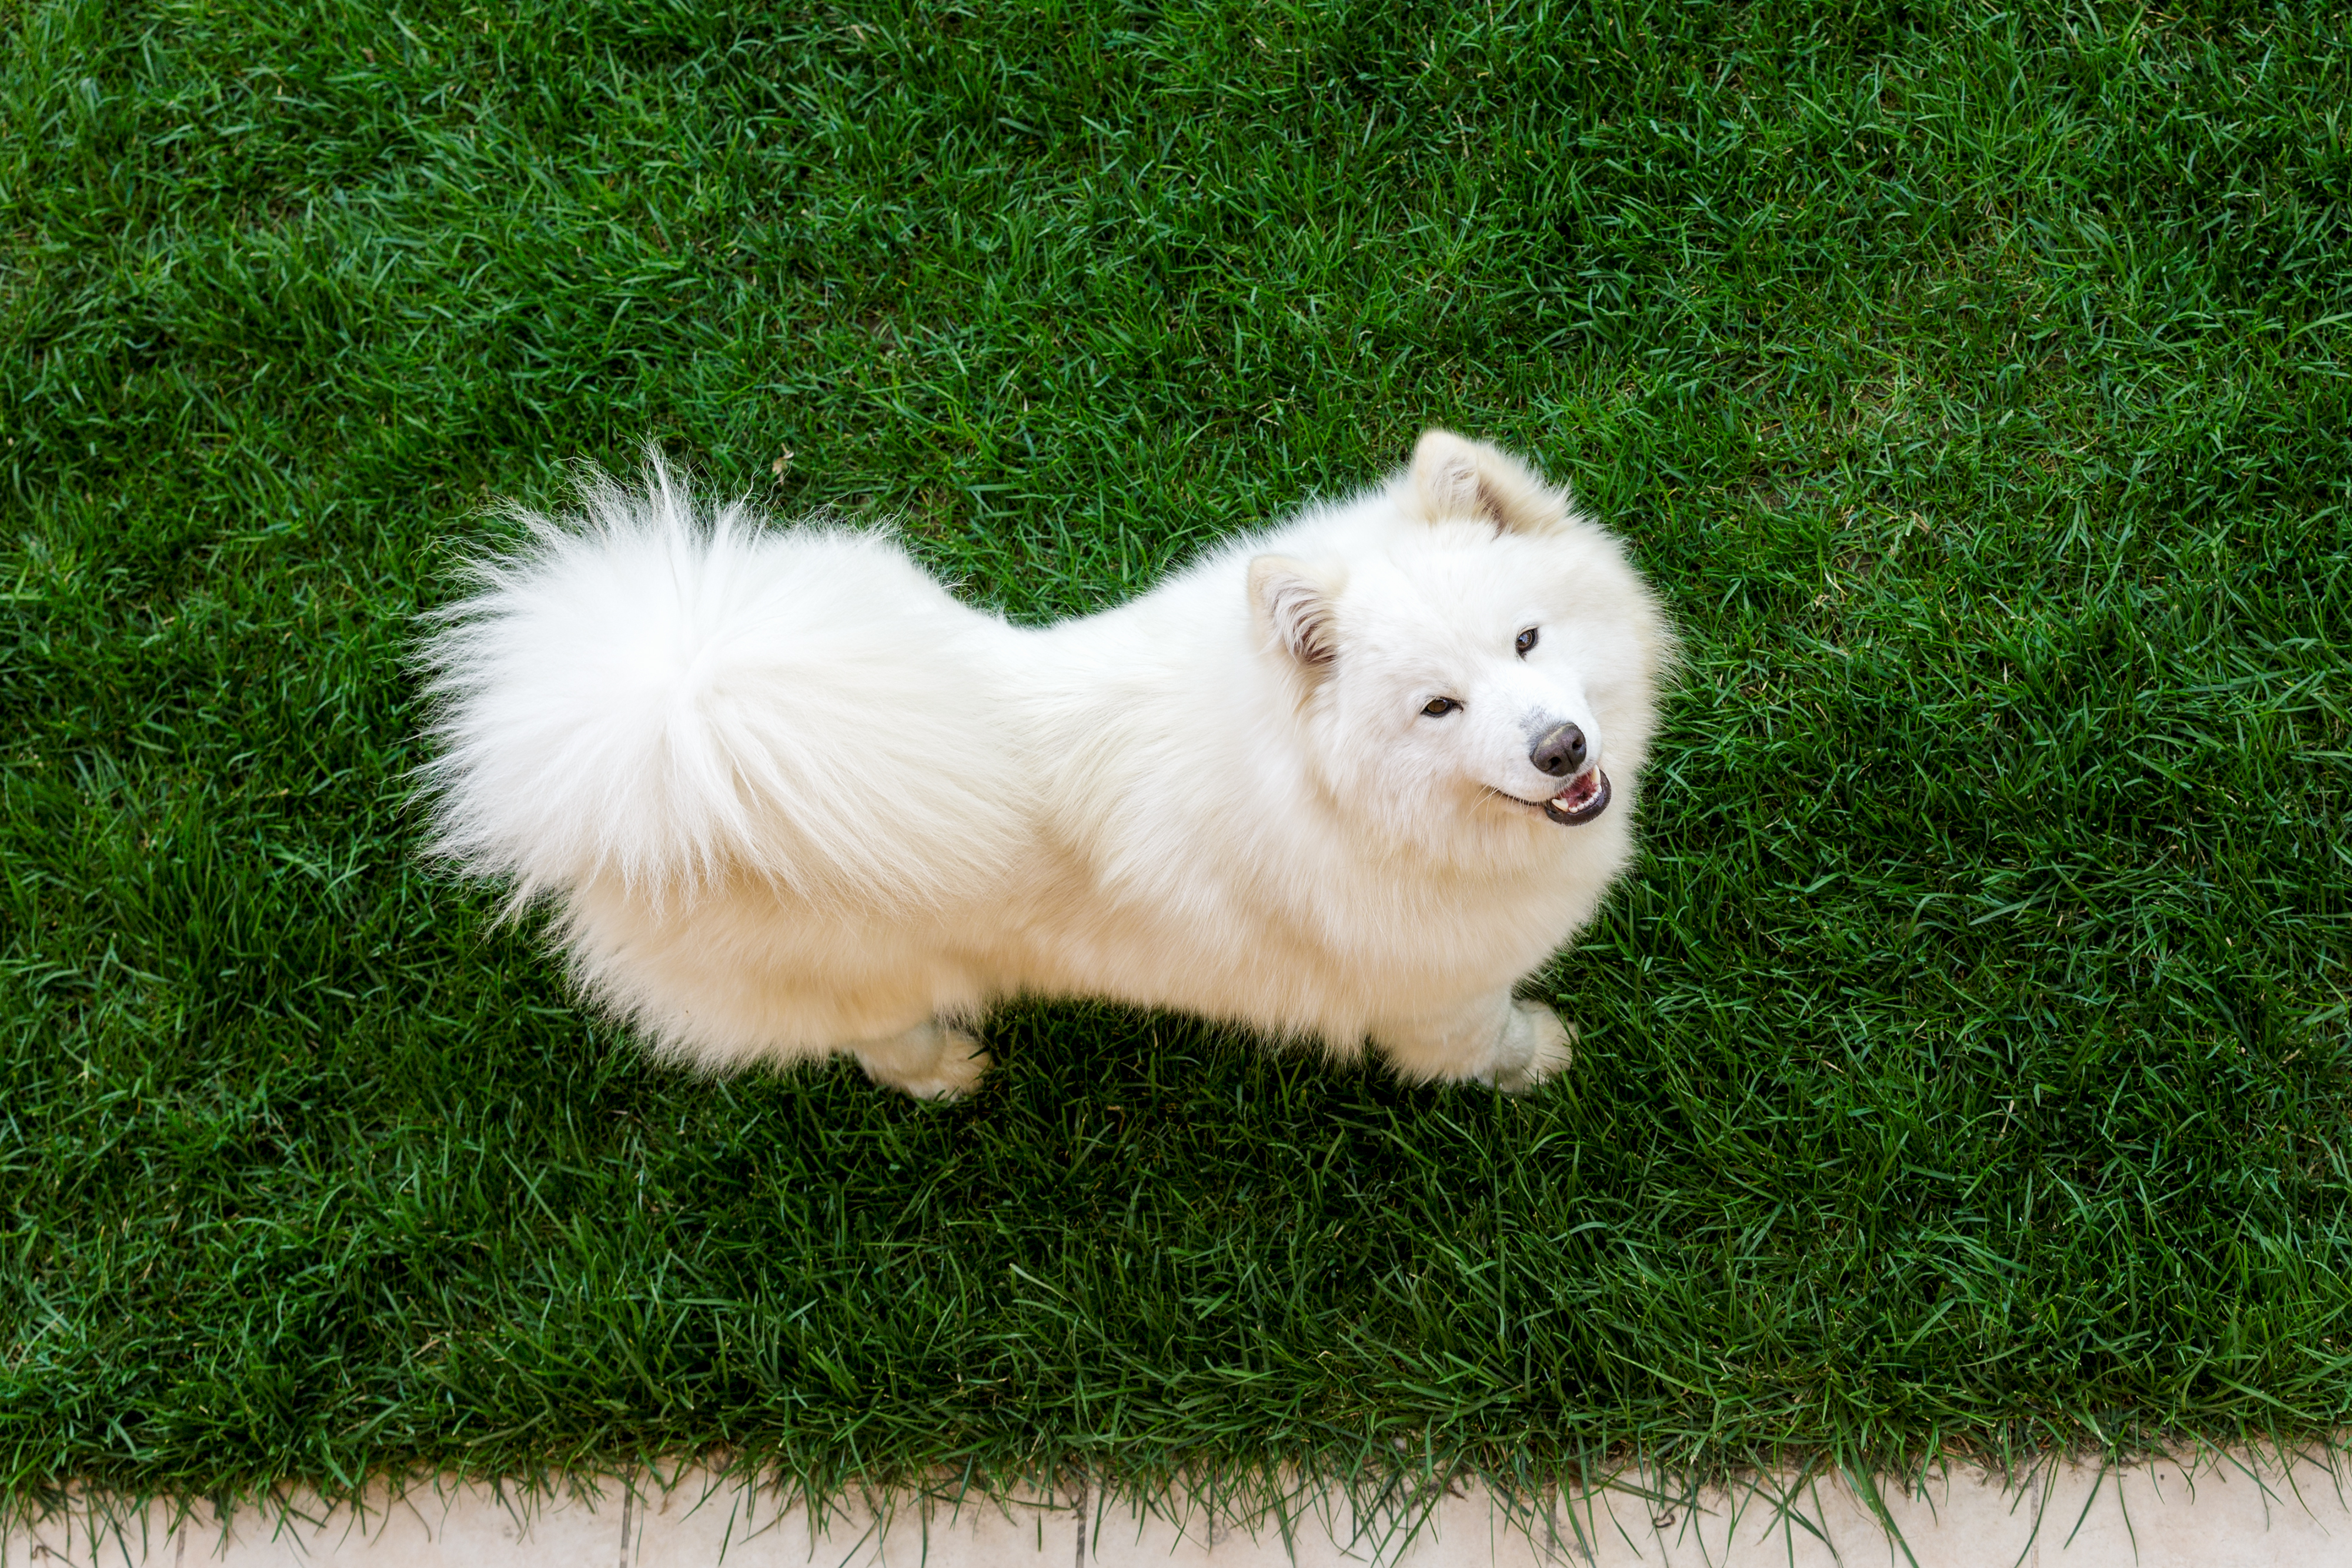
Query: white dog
1347	781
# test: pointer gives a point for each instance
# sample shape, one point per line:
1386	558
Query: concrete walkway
2234	1511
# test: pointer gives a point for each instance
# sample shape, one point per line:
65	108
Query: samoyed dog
1345	782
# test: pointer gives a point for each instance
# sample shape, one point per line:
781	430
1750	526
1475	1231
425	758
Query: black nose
1560	751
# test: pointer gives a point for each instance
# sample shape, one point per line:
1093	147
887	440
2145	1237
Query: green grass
1965	1066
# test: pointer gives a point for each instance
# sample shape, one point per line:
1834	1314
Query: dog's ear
1294	602
1452	478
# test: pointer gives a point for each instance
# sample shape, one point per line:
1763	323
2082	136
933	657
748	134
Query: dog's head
1491	671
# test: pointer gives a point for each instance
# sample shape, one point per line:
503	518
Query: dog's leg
1498	1039
930	1060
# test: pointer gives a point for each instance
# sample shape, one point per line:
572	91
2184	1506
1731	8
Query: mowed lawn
1965	1066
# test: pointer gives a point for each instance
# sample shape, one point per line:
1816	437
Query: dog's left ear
1454	479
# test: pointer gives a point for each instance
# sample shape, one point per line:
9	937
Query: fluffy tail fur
662	692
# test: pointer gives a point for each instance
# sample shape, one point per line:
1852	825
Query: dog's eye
1527	641
1438	707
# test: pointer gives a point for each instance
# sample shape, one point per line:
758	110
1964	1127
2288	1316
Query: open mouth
1586	796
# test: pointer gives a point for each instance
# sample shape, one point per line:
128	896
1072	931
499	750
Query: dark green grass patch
1965	1068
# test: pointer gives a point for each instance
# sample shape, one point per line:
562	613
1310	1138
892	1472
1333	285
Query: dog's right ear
1294	602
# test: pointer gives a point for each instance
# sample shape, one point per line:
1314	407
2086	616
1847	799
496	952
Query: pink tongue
1579	790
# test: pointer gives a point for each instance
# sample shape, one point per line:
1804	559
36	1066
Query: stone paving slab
2225	1511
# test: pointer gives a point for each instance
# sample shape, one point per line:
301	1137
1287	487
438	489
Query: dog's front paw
932	1061
1535	1046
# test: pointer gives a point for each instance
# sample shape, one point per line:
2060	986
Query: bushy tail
658	691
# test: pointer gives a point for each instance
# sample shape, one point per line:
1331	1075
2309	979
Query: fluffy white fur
788	797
